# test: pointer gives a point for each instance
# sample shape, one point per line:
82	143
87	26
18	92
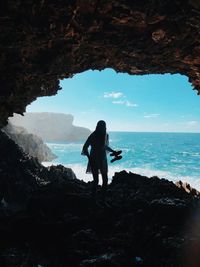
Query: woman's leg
95	175
105	184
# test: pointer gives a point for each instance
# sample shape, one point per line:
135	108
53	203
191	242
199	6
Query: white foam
196	155
64	146
193	181
80	171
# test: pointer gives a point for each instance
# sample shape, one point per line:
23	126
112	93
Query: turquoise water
175	156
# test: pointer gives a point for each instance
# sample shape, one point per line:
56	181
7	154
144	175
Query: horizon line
151	131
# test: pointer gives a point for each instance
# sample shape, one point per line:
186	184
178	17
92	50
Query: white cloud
189	123
129	104
153	115
125	102
119	102
113	95
121	99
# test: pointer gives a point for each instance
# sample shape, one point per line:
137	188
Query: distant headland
51	126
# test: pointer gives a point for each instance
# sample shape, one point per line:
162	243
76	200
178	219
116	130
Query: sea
173	156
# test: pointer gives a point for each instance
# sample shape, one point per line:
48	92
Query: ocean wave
191	154
174	157
127	150
78	169
196	155
66	145
146	170
149	172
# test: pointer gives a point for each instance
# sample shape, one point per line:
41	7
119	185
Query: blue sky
164	103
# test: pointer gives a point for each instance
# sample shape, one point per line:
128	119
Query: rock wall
42	42
30	143
21	175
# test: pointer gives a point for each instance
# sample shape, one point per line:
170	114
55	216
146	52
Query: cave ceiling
45	41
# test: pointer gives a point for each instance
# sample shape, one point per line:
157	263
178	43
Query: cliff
51	126
30	143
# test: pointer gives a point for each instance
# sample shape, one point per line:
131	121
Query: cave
43	42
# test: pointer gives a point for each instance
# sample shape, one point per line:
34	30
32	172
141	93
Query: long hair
100	132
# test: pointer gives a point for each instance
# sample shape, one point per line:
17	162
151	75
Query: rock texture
30	143
42	42
48	218
21	175
51	126
150	222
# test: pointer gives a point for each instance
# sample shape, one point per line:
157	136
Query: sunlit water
175	156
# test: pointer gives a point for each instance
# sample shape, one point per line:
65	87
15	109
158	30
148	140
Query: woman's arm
85	147
109	149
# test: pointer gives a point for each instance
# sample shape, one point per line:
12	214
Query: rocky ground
48	218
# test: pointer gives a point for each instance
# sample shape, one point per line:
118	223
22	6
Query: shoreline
80	172
174	156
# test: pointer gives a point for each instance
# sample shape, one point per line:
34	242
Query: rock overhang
43	42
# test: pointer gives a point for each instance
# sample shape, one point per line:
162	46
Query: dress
97	155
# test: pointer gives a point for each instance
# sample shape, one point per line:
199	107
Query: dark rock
43	42
59	175
49	214
17	184
108	259
30	143
185	186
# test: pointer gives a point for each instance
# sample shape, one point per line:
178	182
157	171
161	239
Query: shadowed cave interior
47	217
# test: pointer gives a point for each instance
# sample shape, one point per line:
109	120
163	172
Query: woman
97	159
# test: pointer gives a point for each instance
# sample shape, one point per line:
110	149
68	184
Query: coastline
80	172
173	156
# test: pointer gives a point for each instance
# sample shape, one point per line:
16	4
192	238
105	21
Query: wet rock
109	259
59	174
187	187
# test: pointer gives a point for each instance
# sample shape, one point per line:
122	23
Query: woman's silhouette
97	159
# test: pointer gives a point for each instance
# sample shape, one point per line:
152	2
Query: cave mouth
145	116
116	97
45	41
